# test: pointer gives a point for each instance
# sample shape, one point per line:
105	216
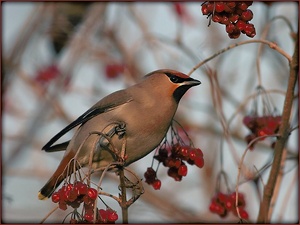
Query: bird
140	114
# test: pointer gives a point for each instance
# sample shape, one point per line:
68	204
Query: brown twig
240	168
123	204
284	132
49	214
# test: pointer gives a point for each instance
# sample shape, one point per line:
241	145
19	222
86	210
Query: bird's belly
142	134
145	136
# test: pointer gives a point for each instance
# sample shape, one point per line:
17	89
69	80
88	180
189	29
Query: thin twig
123	196
271	45
49	214
240	167
277	185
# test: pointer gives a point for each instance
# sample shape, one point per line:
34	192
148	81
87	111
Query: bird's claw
120	129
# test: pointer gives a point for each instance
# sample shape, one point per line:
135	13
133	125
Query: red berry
233	18
47	74
150	175
225	20
219	6
112	216
243	6
87	200
71	195
199	153
221	197
89	217
243	213
114	70
62	205
228	204
230	4
240	25
247	15
199	161
216	18
182	170
103	214
55	197
204	9
184	151
230	28
156	184
92	193
250	30
81	188
192	155
69	187
210	7
212	206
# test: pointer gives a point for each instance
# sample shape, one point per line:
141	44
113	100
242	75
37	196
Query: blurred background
59	58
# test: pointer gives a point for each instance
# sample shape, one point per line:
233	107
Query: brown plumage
143	112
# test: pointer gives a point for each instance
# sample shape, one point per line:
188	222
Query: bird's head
170	82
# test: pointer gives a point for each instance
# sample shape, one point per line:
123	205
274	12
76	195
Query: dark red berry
233	18
247	15
240	24
231	4
216	18
243	6
62	205
182	170
230	28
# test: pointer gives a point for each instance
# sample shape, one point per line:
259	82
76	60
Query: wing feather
108	103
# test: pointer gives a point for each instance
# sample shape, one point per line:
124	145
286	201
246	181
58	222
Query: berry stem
123	197
281	141
271	45
49	214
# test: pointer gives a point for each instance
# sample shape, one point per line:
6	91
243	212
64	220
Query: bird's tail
64	169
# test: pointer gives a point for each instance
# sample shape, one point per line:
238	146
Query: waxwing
140	114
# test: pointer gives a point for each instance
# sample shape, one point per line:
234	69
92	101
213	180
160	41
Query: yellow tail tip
41	196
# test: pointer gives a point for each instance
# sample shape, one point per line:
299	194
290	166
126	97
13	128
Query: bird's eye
174	79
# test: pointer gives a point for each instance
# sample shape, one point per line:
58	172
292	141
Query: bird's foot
120	129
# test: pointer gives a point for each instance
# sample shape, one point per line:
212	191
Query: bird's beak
191	82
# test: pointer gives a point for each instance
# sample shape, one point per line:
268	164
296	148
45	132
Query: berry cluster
222	204
234	15
261	126
113	70
174	159
151	178
47	74
75	194
173	155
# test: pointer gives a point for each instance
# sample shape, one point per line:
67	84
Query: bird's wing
108	103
